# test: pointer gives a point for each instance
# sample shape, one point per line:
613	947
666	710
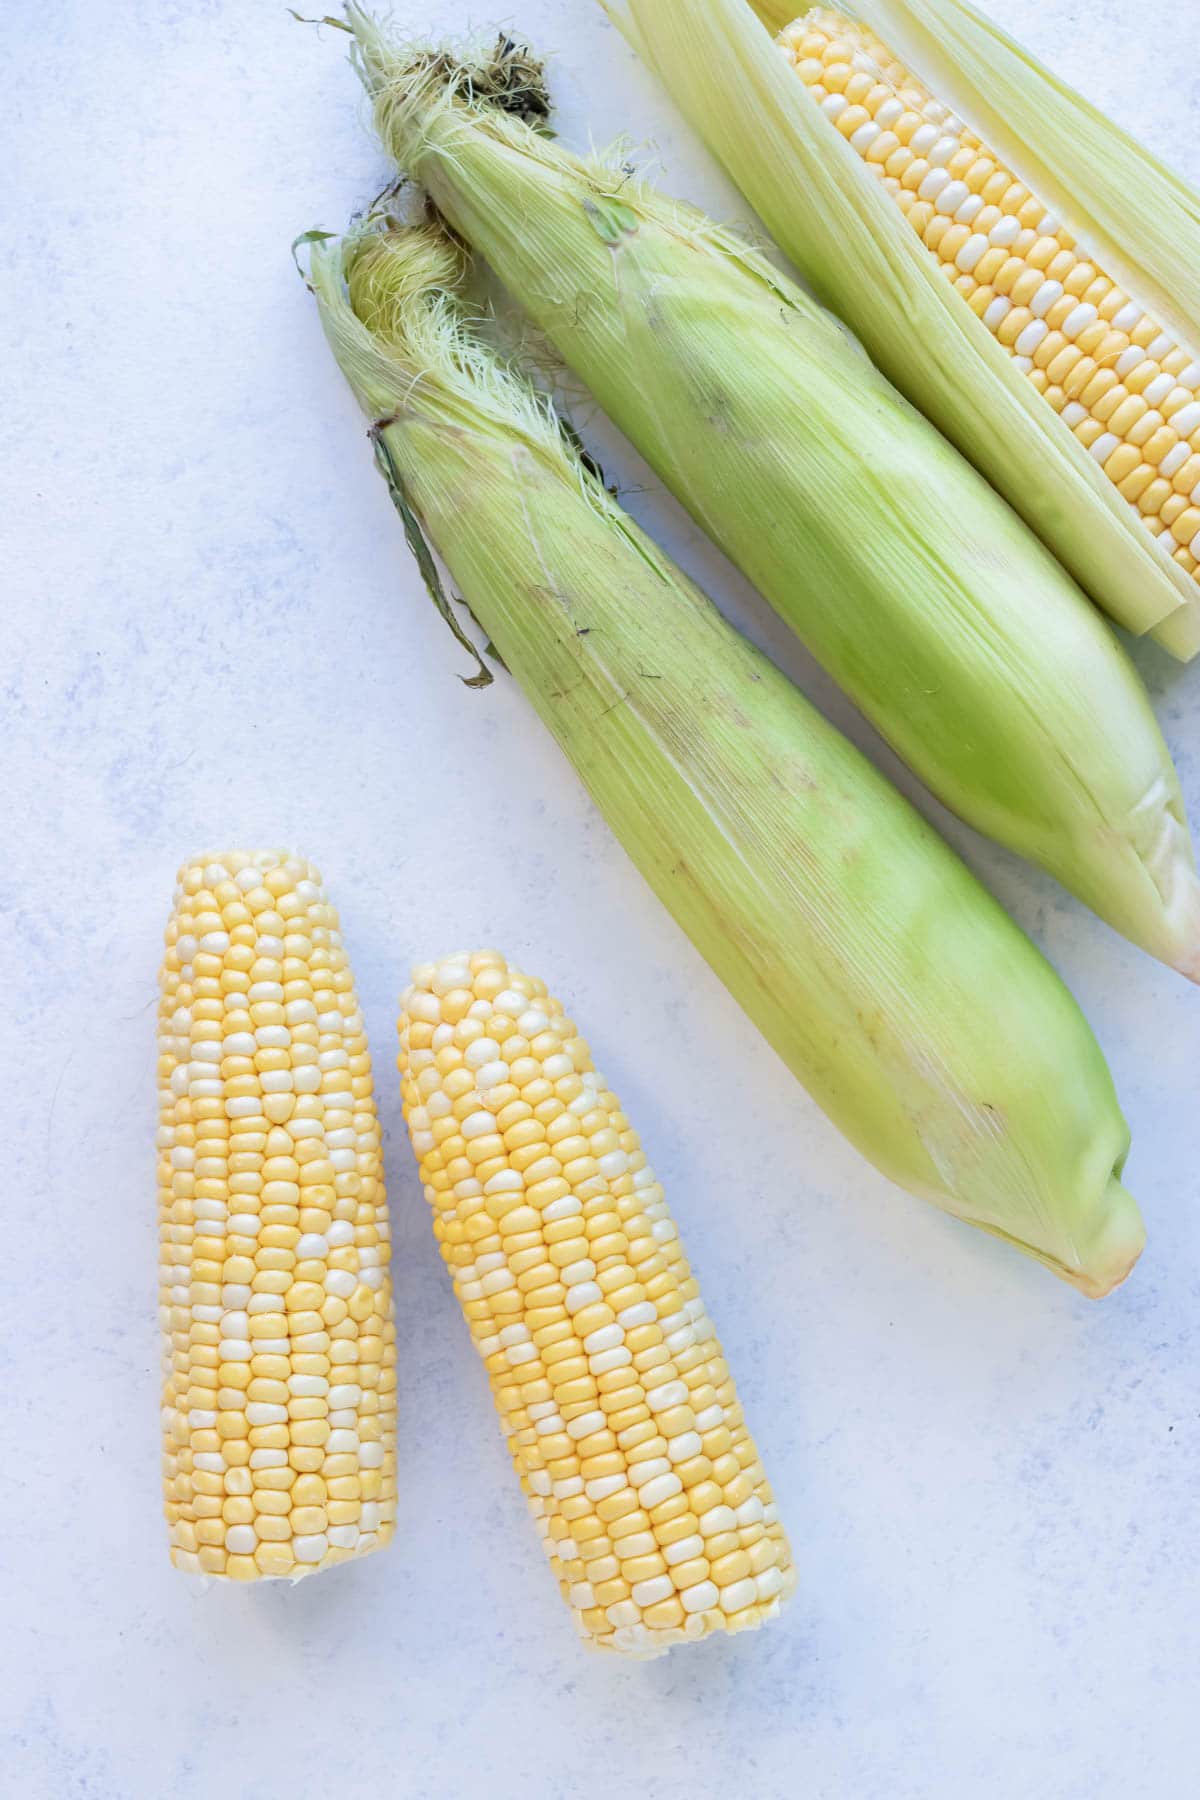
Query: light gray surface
214	637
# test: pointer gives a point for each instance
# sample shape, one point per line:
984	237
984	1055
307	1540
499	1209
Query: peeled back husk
918	1016
920	591
857	252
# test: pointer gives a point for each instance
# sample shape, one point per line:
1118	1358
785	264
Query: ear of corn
1126	387
279	1381
919	1017
835	219
619	1409
919	590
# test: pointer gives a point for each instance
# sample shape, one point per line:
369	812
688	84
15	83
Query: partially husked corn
619	1409
279	1402
1126	387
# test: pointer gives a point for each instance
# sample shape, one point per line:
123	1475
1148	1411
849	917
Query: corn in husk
920	591
919	1017
832	215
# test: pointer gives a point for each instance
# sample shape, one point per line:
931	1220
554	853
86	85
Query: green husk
916	1013
920	591
861	257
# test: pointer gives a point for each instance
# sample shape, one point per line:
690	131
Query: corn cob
835	193
922	1021
618	1406
924	596
1123	385
278	1344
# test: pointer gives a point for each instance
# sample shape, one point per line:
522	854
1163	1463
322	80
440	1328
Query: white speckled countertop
213	635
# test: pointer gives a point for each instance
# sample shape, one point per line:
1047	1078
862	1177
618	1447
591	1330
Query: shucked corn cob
927	599
620	1412
279	1401
1126	388
1111	227
895	988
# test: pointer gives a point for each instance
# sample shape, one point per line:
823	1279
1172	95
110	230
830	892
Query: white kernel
658	1587
262	1412
1023	363
888	113
601	1486
310	1549
1187	419
1048	295
1158	389
923	139
648	1470
768	1584
510	1002
274	1459
1128	361
340	1443
834	105
369	1517
862	139
586	1294
684	1549
566	1208
531	1023
1078	319
1073	413
605	1337
952	197
738	1594
567	1488
1159	347
933	184
308	1387
490	1075
505	1181
686	1444
617	1358
574	1273
997	311
644	1178
202	1419
717	1518
477	1124
701	1598
671	1393
240	1540
1174	460
211	1461
585	1424
1194	546
941	151
1029	339
236	1350
661	1488
346	1393
642	1312
370	1456
340	1282
974	248
623	1613
750	1512
970	210
1104	446
312	1245
613	1164
343	1537
558	1065
581	1595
